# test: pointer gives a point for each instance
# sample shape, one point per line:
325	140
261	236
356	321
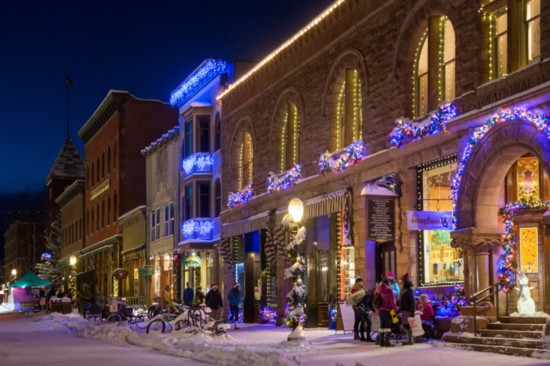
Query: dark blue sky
147	47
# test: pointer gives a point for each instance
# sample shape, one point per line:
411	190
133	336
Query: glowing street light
14	272
296	209
72	260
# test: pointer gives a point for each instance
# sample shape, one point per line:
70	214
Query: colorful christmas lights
448	304
507	264
540	121
201	228
268	315
342	159
200	163
202	75
406	131
241	197
284	180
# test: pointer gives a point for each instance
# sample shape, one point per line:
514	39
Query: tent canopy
31	280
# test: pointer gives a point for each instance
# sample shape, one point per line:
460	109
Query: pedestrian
407	307
357	295
234	299
199	296
214	301
188	295
168	298
393	284
427	317
367	303
387	304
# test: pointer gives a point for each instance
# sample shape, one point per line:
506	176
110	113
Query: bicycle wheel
182	325
114	318
156	325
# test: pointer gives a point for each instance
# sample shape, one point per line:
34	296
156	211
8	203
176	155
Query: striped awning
313	207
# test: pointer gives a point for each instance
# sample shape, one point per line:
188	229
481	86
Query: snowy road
21	343
56	339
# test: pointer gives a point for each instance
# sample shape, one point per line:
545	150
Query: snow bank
537	314
220	350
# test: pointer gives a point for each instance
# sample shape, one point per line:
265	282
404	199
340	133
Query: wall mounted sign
429	220
380	218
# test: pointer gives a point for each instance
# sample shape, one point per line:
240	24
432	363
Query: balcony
199	163
198	229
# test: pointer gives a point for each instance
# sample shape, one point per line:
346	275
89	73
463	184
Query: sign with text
381	219
429	220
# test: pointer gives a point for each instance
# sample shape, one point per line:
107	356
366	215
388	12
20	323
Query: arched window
245	161
434	67
290	138
348	114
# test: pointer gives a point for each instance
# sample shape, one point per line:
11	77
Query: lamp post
13	274
72	277
297	297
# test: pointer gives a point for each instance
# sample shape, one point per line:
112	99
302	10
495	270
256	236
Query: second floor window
245	161
188	202
217	198
155	224
500	46
188	148
203	123
203	199
532	18
169	219
348	113
290	138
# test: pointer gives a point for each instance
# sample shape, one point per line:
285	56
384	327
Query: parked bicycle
165	319
134	318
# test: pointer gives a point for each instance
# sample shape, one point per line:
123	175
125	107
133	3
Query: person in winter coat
199	296
359	321
188	295
366	303
168	302
214	301
407	307
234	299
393	284
427	316
387	304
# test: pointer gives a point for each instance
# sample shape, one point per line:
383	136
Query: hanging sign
429	220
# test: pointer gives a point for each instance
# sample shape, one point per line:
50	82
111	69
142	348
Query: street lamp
14	272
297	297
72	277
72	260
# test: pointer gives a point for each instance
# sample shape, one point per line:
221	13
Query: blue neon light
199	163
201	229
202	75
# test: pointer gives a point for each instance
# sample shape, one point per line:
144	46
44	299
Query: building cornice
165	139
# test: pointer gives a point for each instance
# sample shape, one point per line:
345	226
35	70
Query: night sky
145	47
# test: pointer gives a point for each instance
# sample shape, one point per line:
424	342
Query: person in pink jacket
387	304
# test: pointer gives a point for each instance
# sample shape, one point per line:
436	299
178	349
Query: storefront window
442	263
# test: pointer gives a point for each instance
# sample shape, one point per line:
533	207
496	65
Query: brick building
115	176
23	247
331	97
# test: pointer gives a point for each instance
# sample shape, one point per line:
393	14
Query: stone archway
481	193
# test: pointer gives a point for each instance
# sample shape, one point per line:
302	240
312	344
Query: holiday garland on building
406	130
508	264
241	197
284	180
342	159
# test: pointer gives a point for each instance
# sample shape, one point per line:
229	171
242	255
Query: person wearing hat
234	299
407	307
393	284
214	301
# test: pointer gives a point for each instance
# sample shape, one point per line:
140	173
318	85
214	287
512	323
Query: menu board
381	219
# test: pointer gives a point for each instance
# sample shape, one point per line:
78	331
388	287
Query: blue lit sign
201	229
202	75
200	163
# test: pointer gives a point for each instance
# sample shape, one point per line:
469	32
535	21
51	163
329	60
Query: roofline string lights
539	120
406	130
282	47
201	76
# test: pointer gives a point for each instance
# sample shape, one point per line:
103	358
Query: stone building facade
23	248
337	89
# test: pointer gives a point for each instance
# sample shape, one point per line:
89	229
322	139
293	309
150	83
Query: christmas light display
449	304
507	264
540	121
342	159
202	229
268	315
240	198
198	79
406	130
200	163
284	180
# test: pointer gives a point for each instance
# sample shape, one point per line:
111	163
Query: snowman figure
526	305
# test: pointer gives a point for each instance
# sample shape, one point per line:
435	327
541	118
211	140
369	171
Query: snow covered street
62	339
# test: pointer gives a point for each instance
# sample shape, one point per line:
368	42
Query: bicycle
195	319
127	314
160	321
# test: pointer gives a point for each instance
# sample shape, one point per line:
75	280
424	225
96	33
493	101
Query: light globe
296	209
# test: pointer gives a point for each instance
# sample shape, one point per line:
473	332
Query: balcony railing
340	160
198	229
199	163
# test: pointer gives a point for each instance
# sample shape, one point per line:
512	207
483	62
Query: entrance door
385	259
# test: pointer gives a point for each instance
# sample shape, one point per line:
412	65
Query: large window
434	72
532	18
169	219
188	202
217	198
155	224
203	199
442	263
290	138
203	123
348	113
188	149
500	46
217	133
245	161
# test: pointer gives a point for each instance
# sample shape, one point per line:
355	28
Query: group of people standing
383	301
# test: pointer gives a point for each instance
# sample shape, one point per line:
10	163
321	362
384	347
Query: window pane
449	42
203	199
502	55
187	212
533	39
188	147
450	81
532	9
442	263
218	198
204	133
423	60
423	95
